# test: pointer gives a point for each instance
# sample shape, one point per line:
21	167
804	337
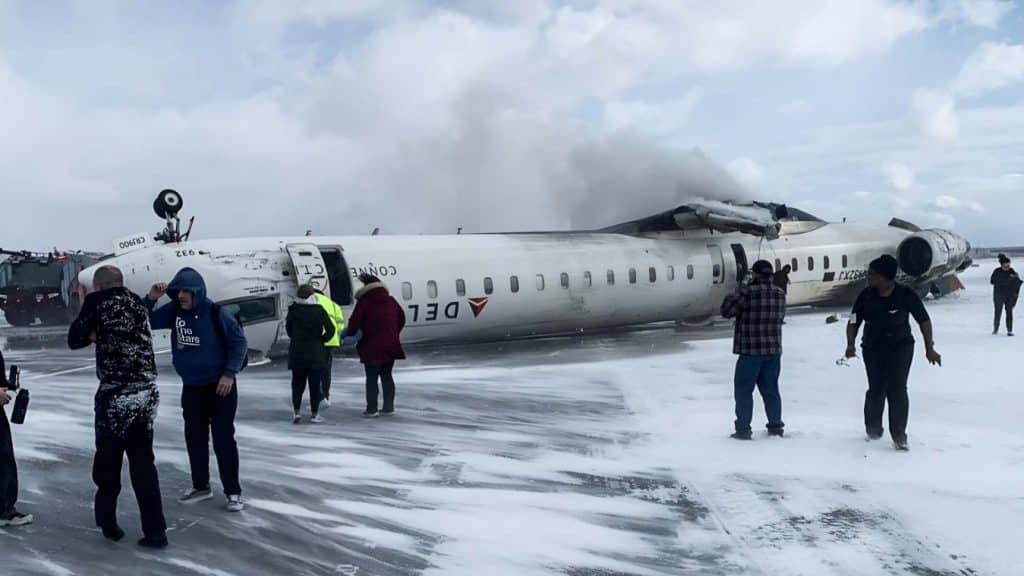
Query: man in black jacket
1005	290
885	308
9	515
116	321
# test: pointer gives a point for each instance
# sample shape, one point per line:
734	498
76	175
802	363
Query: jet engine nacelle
933	253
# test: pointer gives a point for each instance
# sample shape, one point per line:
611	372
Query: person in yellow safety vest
338	317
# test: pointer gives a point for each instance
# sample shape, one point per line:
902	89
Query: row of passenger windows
826	263
588	281
541	283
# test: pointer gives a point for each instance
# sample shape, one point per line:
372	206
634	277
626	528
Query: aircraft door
717	264
741	262
309	266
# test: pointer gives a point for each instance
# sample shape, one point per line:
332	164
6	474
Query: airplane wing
754	218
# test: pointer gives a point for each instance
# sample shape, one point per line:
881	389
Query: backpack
218	329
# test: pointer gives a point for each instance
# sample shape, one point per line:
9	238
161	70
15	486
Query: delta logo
478	305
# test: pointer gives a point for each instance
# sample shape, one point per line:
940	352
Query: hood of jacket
370	288
311	301
189	280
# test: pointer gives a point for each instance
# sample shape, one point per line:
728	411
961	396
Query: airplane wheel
168	203
19	318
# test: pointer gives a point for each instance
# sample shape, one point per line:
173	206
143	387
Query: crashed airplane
674	266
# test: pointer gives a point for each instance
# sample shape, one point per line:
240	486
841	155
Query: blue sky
414	116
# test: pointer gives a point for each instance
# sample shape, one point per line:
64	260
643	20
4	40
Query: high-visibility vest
337	317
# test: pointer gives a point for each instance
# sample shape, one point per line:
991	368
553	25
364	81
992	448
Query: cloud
946	202
985	13
747	171
900	176
990	67
935	114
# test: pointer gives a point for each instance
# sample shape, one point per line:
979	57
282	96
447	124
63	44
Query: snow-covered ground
604	456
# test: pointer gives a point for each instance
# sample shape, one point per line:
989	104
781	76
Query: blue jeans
762	372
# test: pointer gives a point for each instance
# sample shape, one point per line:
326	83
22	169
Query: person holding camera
9	515
114	319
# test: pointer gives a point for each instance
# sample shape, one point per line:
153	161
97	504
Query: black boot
154	541
112	532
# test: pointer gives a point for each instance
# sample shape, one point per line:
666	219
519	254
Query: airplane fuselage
497	286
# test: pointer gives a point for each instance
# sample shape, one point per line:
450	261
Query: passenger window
513	283
632	275
460	287
406	291
540	281
846	261
432	290
795	265
611	277
252	310
810	263
689	271
588	281
671	273
488	285
717	271
652	274
826	263
565	280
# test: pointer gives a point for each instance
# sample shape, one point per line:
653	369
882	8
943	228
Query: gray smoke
497	166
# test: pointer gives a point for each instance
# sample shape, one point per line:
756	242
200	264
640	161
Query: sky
273	118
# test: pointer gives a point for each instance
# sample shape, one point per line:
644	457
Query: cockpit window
252	310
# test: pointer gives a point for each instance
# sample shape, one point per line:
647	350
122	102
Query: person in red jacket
380	319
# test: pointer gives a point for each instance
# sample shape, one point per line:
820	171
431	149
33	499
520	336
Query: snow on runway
603	456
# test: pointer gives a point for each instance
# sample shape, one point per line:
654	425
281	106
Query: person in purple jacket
209	349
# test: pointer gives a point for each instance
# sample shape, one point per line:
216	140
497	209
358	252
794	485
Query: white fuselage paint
241	269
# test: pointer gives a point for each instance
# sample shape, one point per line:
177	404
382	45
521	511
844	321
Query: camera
20	409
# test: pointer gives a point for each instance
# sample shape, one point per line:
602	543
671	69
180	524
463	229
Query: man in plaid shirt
759	309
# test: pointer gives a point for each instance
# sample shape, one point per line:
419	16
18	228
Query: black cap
763	267
1004	259
886	266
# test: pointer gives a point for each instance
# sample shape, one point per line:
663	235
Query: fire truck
41	288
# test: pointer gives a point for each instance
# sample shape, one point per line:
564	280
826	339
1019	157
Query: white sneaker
316	419
191	496
297	419
235	503
15	518
325	405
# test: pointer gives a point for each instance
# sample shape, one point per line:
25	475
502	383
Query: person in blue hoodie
209	348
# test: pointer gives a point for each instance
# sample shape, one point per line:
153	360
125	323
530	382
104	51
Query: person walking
759	309
309	330
9	515
885	308
337	317
1005	291
381	319
209	349
115	320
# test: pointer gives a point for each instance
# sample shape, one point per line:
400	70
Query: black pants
380	372
204	411
137	444
325	376
8	467
1003	303
301	377
888	368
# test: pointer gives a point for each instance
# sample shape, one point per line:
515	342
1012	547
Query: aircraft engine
933	253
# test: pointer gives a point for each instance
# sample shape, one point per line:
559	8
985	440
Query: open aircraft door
309	266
